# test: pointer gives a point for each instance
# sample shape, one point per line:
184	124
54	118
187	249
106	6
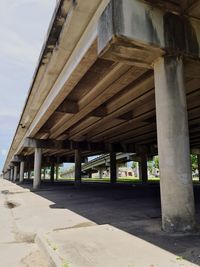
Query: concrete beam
135	33
48	143
166	5
18	158
83	146
100	112
68	106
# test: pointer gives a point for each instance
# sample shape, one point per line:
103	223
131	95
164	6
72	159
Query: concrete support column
113	168
143	168
15	174
44	173
37	168
11	174
21	175
52	172
198	162
117	171
100	173
90	173
77	167
137	170
177	199
29	174
57	171
29	170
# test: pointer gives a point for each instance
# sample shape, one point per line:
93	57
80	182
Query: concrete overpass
102	162
117	76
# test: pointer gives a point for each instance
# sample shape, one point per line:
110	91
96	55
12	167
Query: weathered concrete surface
15	249
21	175
104	245
133	209
177	196
37	168
33	213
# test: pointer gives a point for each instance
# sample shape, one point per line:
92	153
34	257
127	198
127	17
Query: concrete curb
51	256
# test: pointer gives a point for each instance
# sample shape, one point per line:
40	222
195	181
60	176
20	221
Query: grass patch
119	180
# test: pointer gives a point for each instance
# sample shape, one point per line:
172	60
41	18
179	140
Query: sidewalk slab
103	245
33	213
15	250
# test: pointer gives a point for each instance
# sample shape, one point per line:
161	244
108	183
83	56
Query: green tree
194	162
156	162
134	164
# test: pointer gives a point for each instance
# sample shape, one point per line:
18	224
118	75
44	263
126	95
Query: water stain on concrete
11	205
80	225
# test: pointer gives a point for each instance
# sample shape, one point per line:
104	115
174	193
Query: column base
178	225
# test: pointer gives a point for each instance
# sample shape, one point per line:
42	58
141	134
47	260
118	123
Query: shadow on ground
132	208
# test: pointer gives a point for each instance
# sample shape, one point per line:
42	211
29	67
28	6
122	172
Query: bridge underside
118	76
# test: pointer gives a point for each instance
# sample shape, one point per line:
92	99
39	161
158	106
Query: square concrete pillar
77	167
15	173
177	199
11	174
113	168
143	168
37	168
100	172
21	175
52	172
29	174
57	171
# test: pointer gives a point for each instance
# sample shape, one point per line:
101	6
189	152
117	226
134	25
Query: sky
23	28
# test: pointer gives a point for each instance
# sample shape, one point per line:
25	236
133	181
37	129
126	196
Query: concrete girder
136	33
105	159
191	8
83	146
68	106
